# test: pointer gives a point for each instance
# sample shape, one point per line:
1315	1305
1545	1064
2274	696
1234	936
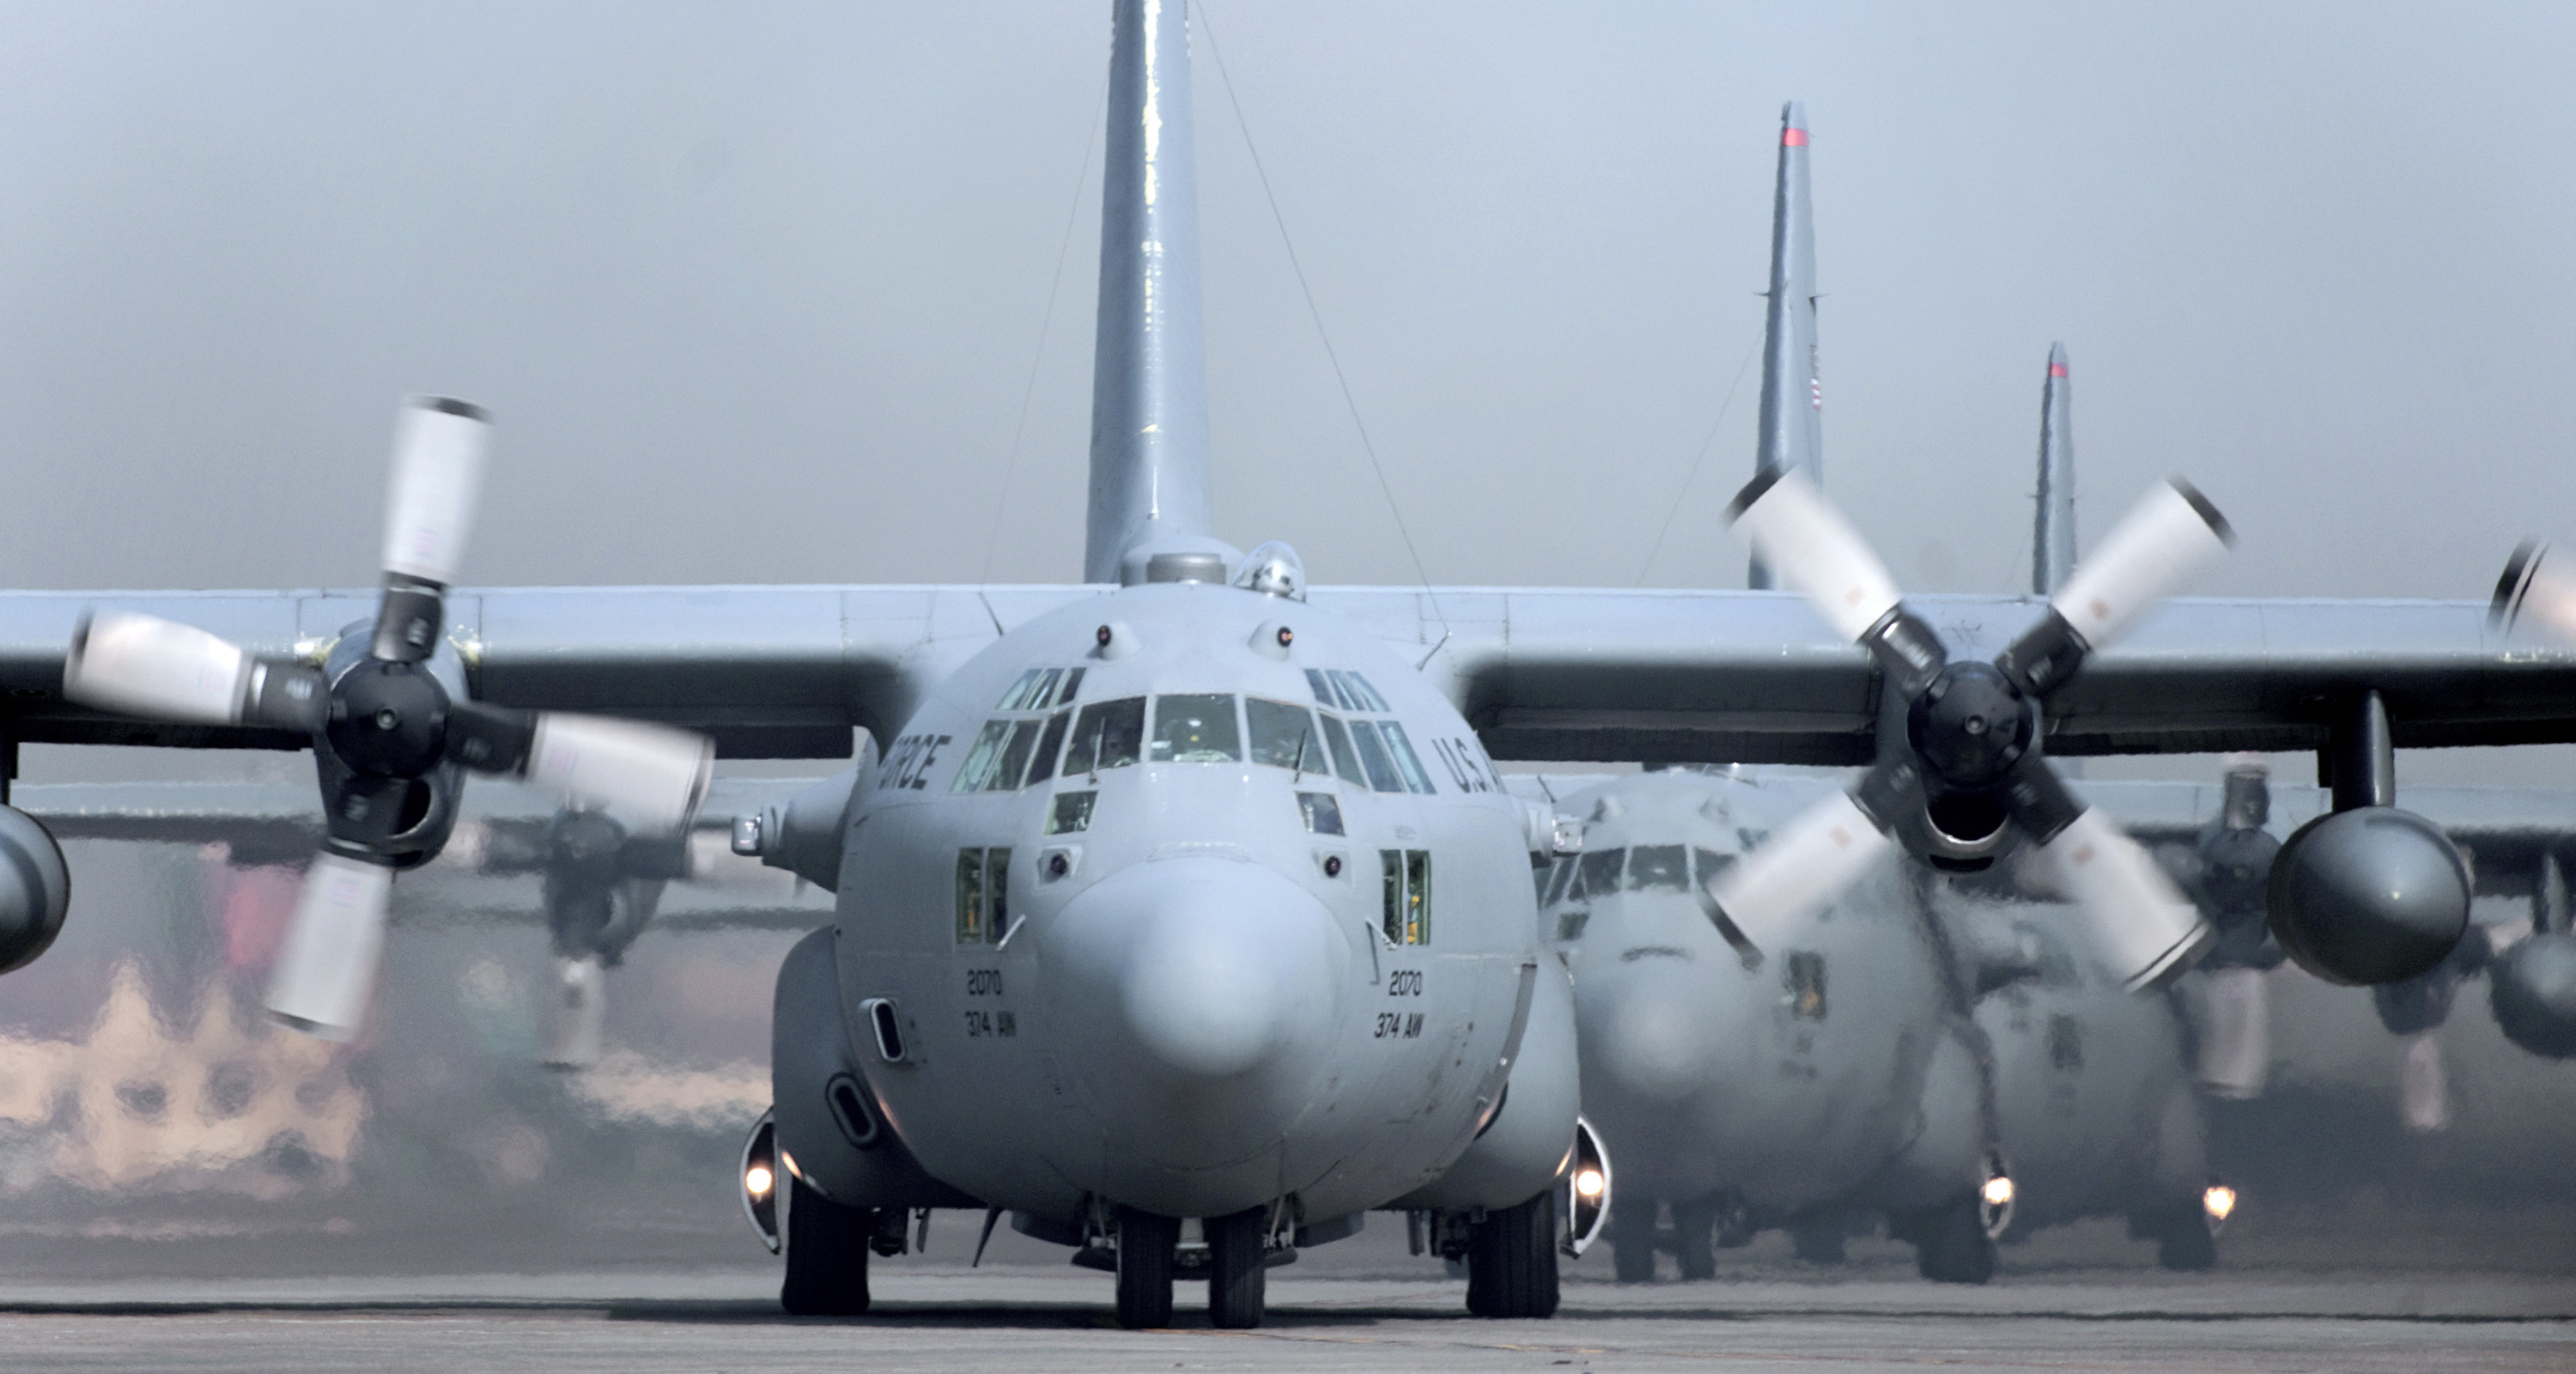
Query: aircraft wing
1559	674
1754	677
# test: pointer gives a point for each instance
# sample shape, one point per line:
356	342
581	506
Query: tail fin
1149	462
1792	393
2052	552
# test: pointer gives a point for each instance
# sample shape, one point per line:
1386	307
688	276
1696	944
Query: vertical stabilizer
1149	464
2052	552
1792	394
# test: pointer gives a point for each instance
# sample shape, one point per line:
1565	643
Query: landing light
1998	1191
759	1180
2218	1200
1589	1183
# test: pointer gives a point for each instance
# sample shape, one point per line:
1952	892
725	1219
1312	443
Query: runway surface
1026	1318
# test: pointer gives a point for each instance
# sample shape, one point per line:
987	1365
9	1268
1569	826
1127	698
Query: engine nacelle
2532	988
2369	895
35	889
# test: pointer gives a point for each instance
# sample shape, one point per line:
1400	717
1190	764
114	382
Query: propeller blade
327	967
2171	536
2540	584
652	776
2235	1033
141	665
438	475
2142	925
1803	866
1796	530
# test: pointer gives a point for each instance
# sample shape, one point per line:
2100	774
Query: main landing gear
1511	1260
827	1255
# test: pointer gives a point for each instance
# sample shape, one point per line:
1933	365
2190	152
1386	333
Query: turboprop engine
2532	990
35	889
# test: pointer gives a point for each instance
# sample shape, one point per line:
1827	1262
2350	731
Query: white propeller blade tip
652	776
142	665
437	478
327	968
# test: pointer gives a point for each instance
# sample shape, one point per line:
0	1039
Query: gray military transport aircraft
1185	900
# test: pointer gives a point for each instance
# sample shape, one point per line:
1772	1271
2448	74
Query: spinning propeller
1959	758
387	732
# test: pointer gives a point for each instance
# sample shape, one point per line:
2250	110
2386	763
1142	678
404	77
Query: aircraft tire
1511	1261
1694	1230
1951	1244
1237	1277
1145	1244
1632	1238
827	1255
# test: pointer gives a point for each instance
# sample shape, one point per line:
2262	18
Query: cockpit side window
1406	761
1050	745
1014	758
1657	868
1284	736
1108	734
1064	694
1196	728
1323	688
1346	760
980	759
1363	696
1373	757
1598	875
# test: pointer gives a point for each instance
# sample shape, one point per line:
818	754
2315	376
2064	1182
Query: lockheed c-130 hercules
1187	894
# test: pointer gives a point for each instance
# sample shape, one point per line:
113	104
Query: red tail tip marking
2057	369
1793	138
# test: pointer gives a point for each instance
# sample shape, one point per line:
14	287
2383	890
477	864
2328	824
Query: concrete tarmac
1029	1318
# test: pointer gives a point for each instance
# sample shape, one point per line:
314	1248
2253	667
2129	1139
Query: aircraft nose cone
1197	999
1651	1039
1202	998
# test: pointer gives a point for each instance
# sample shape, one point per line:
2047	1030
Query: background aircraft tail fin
1791	432
2052	554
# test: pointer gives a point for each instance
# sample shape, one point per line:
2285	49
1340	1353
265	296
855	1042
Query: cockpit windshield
1195	729
1108	734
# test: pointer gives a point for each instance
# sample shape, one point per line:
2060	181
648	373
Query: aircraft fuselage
1190	899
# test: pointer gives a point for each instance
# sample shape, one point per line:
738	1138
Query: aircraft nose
1196	1000
1652	1037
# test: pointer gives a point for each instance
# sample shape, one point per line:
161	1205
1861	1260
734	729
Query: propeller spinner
1967	760
385	726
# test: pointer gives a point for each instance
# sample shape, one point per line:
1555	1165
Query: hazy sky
755	292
